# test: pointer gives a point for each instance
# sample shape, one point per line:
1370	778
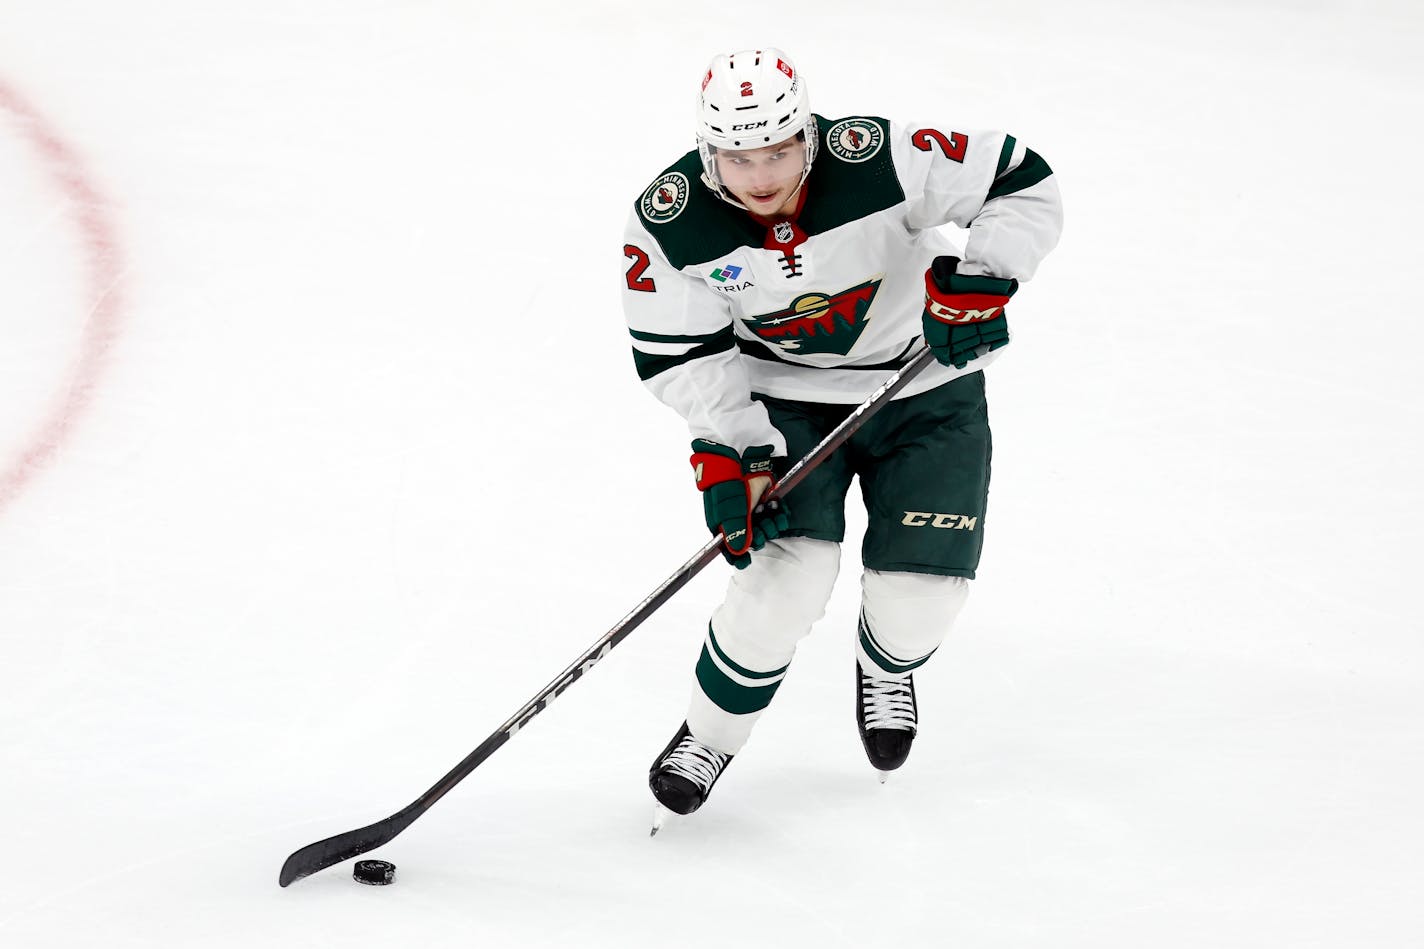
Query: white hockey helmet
751	99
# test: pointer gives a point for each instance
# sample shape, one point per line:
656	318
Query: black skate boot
885	710
682	776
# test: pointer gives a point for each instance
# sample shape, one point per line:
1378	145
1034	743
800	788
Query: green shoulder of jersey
852	177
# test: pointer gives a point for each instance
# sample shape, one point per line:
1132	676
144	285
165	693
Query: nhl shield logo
855	140
665	198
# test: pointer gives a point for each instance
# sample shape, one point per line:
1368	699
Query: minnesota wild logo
816	323
854	140
665	198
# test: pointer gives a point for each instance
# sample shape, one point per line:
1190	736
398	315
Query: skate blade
884	776
660	816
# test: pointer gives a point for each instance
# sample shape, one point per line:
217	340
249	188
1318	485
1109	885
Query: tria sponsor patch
730	278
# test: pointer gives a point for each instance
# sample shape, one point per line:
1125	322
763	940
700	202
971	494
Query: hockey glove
726	481
963	314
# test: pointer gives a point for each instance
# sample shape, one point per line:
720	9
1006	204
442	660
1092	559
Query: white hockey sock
769	607
904	618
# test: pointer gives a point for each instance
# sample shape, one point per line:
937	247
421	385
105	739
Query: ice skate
885	711
682	776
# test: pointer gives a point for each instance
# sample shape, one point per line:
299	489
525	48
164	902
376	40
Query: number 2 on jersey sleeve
953	147
634	276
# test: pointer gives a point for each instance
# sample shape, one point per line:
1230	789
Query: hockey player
774	277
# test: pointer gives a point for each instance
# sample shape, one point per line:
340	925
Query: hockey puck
374	872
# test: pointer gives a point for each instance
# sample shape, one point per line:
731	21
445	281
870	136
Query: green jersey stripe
663	338
1030	172
1006	155
652	364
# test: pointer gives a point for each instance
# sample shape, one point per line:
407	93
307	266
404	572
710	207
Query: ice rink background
334	455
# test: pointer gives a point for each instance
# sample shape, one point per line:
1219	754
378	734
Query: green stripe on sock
883	659
740	670
728	695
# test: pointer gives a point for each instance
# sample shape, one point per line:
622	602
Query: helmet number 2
634	276
953	147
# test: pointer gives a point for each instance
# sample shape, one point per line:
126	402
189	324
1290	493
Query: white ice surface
317	532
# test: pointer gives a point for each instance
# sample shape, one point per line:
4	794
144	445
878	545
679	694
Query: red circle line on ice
103	273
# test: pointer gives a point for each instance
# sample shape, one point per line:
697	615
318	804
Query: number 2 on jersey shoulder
634	276
954	147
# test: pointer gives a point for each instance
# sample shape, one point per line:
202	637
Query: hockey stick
333	850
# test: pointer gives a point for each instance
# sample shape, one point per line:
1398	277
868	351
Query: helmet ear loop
812	136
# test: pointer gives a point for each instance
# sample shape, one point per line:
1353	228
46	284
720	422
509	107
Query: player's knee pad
773	602
905	616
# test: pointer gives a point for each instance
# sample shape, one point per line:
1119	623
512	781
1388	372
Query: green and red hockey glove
726	481
963	314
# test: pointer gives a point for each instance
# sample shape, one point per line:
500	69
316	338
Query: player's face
764	179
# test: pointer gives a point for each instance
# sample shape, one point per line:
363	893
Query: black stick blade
353	843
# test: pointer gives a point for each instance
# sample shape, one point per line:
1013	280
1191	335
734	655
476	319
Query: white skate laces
695	762
889	703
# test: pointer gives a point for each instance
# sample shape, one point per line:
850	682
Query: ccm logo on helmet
751	125
960	522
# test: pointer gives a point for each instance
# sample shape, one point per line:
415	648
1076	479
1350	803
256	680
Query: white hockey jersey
824	307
